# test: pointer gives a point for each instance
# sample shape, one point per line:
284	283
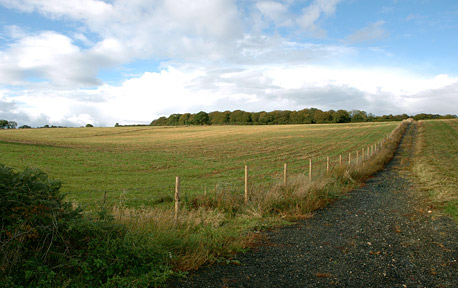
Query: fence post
368	153
246	184
362	155
340	159
310	171
285	174
327	165
349	159
177	198
357	157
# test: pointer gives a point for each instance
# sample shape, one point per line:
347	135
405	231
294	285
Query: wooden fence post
246	184
327	165
177	198
349	159
310	171
340	159
362	155
285	174
357	157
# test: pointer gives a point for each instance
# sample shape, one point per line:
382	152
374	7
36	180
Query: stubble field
138	165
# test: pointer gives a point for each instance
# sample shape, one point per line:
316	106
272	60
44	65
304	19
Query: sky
76	62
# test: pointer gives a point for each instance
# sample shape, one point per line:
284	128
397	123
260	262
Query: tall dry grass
213	226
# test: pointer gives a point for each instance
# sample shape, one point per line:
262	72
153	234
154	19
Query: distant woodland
239	117
305	116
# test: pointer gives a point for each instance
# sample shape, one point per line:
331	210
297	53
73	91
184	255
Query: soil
380	235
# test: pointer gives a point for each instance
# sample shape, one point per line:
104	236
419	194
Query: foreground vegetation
436	163
46	242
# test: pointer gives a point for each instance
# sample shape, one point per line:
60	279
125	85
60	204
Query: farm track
381	235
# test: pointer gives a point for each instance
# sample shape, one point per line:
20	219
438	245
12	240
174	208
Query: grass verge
436	155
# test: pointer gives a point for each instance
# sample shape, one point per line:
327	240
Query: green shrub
47	243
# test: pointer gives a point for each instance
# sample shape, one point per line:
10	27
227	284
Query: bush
47	243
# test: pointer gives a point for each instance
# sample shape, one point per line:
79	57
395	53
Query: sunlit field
436	164
138	165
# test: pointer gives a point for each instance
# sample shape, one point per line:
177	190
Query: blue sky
104	62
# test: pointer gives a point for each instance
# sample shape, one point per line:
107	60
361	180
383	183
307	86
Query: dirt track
381	235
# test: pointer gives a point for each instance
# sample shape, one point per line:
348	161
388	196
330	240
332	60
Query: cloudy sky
91	61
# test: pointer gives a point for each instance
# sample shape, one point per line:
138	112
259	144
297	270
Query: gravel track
381	235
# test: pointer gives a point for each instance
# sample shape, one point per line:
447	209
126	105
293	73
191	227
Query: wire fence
256	176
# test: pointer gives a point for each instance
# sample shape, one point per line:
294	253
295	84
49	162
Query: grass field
436	163
139	164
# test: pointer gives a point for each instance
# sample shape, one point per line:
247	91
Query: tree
184	119
12	125
322	117
240	117
342	116
3	124
201	118
219	118
24	127
281	117
173	119
89	125
161	121
358	116
265	118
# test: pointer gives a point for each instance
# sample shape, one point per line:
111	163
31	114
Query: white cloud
46	57
312	13
124	31
275	11
88	10
192	89
370	33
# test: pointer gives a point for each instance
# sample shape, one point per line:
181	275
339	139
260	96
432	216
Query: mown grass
138	165
213	224
436	163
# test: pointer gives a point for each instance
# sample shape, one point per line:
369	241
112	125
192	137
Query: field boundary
351	170
354	160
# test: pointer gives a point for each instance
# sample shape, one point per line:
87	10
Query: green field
436	163
138	164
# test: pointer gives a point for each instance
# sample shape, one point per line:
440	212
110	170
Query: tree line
305	116
239	117
5	124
